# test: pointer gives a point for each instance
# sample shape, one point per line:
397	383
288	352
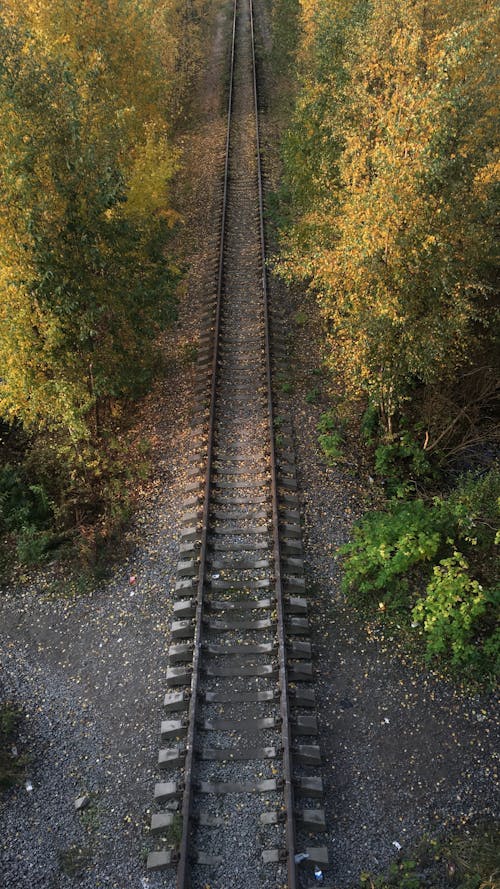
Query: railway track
241	794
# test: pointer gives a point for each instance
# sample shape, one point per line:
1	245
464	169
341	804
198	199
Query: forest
387	213
89	98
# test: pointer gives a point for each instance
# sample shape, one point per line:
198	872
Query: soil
405	751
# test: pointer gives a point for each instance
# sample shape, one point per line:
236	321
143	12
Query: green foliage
401	874
387	545
27	514
85	284
22	504
475	855
403	462
331	446
300	318
456	611
330	438
447	548
370	424
286	385
327	422
87	98
285	25
312	395
174	833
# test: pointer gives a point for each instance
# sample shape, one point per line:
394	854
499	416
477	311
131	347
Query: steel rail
183	870
285	706
183	876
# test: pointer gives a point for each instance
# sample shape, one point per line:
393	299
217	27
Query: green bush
387	545
455	611
312	395
22	504
403	462
27	513
370	423
436	562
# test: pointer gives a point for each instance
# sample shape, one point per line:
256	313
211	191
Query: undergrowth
468	858
68	509
330	438
433	560
12	764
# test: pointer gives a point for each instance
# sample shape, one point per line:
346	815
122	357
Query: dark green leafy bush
27	513
436	562
403	463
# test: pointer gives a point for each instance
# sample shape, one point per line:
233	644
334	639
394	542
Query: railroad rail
238	708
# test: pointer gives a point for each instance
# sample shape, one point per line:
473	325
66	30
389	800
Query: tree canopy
89	95
391	176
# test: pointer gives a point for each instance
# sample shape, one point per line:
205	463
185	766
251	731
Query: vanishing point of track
238	707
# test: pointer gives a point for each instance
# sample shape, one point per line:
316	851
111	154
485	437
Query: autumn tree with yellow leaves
391	172
88	93
390	200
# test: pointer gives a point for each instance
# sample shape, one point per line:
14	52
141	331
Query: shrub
436	561
370	423
456	612
312	395
21	504
403	463
387	545
27	513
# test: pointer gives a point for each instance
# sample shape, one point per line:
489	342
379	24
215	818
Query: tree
86	164
396	208
84	284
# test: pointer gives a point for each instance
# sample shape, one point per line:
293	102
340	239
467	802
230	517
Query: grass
12	766
313	395
301	317
468	858
174	832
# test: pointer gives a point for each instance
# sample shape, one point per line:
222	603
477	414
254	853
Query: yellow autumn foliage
391	172
88	95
